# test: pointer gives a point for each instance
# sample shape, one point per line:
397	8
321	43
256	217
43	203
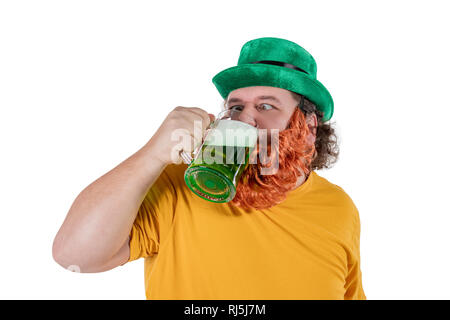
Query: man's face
263	107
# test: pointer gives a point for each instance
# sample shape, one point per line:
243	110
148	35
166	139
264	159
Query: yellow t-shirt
306	247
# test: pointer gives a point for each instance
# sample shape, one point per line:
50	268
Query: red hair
295	150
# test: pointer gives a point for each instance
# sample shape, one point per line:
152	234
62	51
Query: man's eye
265	106
236	108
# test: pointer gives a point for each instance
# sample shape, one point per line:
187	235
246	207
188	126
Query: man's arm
94	235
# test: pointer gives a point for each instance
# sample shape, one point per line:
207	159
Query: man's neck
301	180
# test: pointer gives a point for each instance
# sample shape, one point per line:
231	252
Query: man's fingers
206	119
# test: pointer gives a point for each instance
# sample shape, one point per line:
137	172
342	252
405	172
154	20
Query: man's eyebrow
233	100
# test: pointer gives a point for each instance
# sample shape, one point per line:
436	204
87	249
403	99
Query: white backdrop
84	84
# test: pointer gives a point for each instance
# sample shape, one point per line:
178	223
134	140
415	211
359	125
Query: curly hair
327	147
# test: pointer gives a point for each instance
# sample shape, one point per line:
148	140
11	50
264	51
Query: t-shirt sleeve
154	218
353	281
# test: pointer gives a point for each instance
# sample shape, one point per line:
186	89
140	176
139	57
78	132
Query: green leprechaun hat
277	63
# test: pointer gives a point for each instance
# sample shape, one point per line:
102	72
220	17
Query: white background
84	84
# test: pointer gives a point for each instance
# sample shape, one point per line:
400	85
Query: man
287	235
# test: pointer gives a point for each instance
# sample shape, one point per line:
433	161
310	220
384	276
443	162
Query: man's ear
311	121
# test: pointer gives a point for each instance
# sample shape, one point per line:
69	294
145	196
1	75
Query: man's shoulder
323	185
335	196
338	212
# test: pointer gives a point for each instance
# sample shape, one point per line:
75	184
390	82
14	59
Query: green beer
214	173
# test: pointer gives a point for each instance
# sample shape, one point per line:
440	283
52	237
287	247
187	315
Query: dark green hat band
281	64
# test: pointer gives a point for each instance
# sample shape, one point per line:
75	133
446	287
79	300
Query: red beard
295	149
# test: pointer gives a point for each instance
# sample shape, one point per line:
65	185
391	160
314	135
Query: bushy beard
289	162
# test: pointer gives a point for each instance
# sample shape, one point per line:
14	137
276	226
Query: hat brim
249	75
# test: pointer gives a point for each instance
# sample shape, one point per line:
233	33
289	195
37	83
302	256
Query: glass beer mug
217	164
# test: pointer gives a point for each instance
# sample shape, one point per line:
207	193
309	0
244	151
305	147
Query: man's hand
182	130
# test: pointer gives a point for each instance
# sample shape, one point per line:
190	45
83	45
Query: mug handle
186	157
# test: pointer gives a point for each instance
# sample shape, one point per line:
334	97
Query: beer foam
232	133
